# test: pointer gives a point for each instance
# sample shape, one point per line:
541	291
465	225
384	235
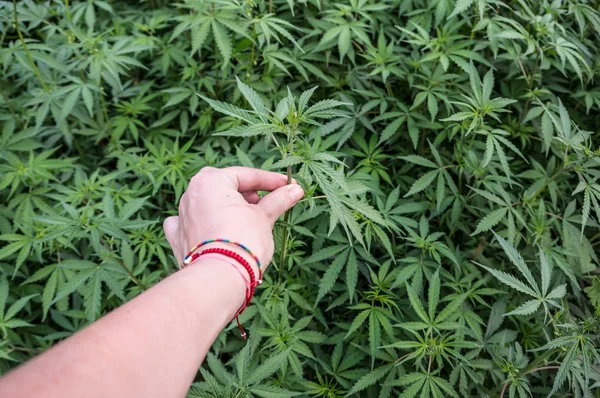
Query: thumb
171	228
277	202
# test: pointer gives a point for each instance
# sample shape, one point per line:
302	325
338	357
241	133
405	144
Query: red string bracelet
191	256
250	287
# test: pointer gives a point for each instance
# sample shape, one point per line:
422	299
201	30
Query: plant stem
23	349
531	371
133	277
554	215
104	108
68	10
402	357
313	198
525	111
533	365
548	181
35	69
251	62
286	217
127	270
422	143
10	108
479	249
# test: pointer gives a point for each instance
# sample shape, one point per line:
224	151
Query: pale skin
153	345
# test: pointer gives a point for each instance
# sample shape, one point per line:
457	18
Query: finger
246	179
171	228
251	197
277	202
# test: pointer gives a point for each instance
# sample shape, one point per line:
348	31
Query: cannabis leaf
541	297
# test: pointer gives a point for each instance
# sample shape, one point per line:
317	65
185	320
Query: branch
127	270
506	383
35	69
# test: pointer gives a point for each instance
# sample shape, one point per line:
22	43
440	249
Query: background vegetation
436	125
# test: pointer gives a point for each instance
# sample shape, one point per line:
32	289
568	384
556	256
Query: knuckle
200	177
182	203
208	170
170	226
195	180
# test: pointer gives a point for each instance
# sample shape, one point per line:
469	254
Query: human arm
153	345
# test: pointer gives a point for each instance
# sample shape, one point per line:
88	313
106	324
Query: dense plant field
448	243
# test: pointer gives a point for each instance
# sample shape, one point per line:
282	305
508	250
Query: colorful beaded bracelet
191	256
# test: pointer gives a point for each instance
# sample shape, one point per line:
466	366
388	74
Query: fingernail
296	192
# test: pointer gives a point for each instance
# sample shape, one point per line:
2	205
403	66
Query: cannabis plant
447	245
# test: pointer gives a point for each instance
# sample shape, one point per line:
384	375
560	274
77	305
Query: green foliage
448	241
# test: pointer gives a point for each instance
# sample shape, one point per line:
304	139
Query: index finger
244	179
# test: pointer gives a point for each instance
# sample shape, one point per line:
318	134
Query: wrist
210	274
240	265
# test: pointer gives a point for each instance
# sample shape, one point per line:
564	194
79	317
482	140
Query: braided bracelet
191	256
250	284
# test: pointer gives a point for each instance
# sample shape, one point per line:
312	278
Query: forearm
150	347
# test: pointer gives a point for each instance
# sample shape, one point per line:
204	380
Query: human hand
224	203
